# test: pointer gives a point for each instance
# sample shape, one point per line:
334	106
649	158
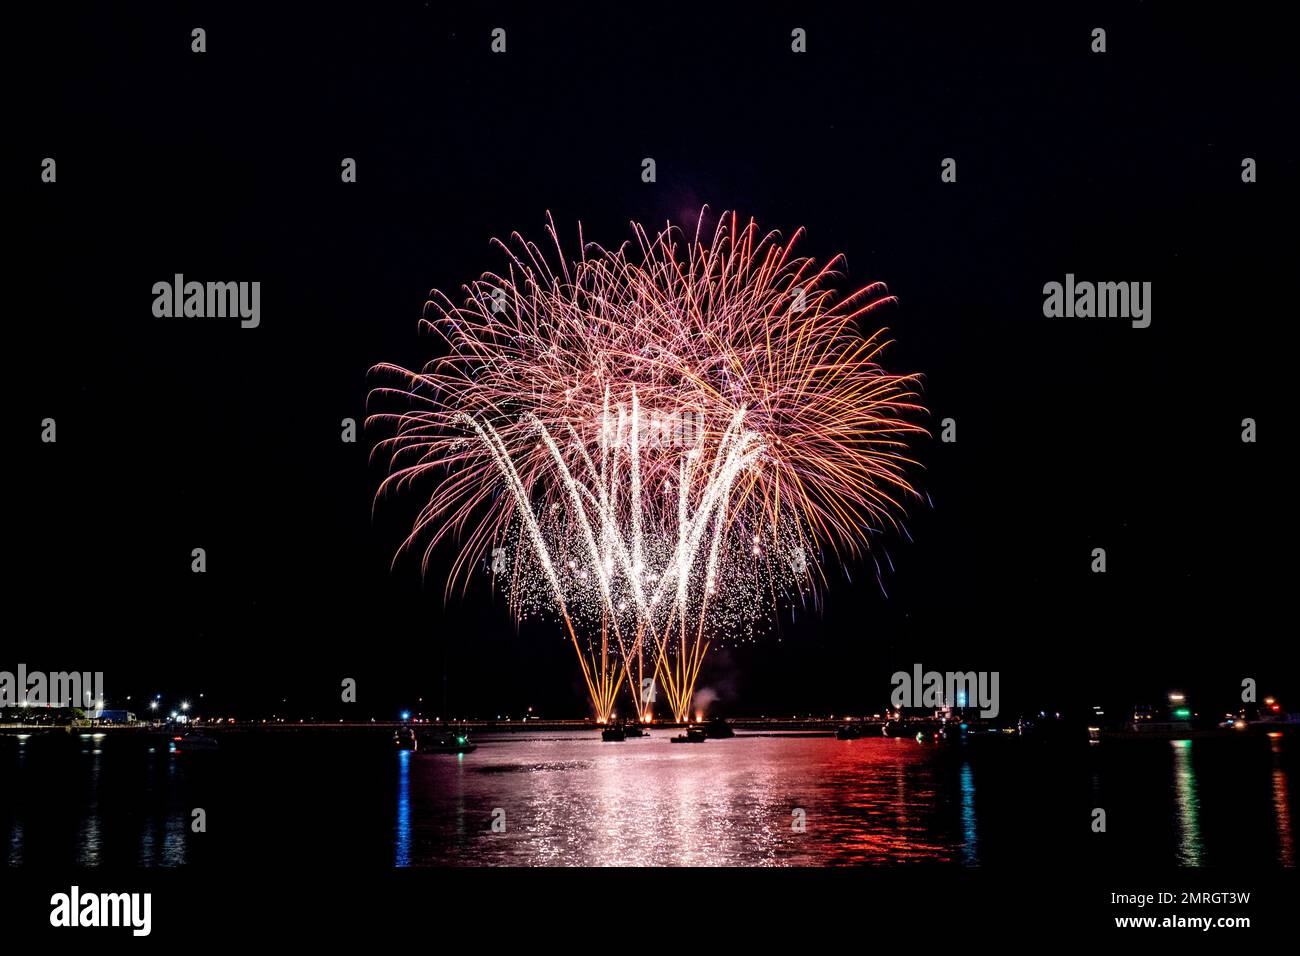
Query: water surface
570	799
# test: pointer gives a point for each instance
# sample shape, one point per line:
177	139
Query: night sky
1072	434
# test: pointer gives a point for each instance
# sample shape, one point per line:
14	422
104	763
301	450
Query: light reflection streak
970	842
402	839
1187	804
1282	807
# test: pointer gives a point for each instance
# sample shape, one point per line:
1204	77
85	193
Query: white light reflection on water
1188	805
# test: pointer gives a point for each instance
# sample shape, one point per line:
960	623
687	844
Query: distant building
115	717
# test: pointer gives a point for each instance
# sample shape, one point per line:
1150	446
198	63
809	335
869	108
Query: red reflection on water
751	801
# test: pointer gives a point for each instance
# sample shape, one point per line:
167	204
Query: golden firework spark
660	442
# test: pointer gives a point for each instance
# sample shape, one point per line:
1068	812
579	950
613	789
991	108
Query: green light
1182	713
460	740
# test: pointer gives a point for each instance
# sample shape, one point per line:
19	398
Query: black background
1072	434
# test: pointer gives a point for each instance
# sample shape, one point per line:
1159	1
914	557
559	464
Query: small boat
920	727
693	735
718	729
613	734
192	742
635	730
404	739
56	738
444	742
848	732
951	730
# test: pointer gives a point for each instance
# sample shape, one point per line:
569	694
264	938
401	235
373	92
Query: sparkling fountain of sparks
666	441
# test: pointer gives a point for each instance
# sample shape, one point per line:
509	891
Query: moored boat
718	729
444	742
193	742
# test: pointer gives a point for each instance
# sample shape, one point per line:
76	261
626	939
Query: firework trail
664	441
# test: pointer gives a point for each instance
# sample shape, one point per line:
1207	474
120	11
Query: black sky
1072	435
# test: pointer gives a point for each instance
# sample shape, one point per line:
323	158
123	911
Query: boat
951	730
57	738
635	730
404	739
192	742
613	734
693	735
444	742
917	727
848	732
718	729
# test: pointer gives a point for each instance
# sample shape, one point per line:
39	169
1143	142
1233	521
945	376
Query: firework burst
659	444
